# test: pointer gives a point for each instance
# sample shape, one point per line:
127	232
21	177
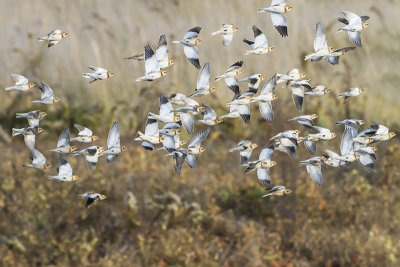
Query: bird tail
215	33
140	79
139	134
261	10
266	195
341	95
9	88
88	75
16	132
248	52
302	163
176	42
233	149
20	115
219	78
42	39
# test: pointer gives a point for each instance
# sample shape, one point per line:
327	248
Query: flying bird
291	76
203	82
53	37
47	96
210	117
226	32
230	77
190	41
277	9
322	49
63	144
355	91
253	82
305	120
245	149
151	65
92	197
313	167
91	155
151	135
162	53
98	74
33	117
259	45
113	144
278	190
85	135
354	25
64	172
265	99
38	161
195	148
29	134
21	83
166	115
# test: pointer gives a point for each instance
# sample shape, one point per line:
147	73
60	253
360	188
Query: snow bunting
277	9
260	45
21	83
190	41
226	32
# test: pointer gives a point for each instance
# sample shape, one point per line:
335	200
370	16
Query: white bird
292	76
253	82
151	135
165	115
203	82
245	149
53	37
322	49
226	32
313	167
162	53
113	144
29	134
260	45
195	148
278	190
230	77
190	41
38	161
355	91
98	74
64	172
265	99
151	65
21	83
277	9
63	143
92	197
354	25
91	154
33	117
85	135
210	117
47	96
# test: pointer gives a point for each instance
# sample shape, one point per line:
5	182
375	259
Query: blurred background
212	215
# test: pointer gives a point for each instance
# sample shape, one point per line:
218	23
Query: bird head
47	166
72	149
56	100
218	121
171	62
30	85
333	135
74	177
288	191
101	197
303	75
235	28
123	148
177	119
42	114
202	149
95	137
198	41
164	72
110	73
161	138
330	48
274	97
182	143
40	130
361	122
176	132
201	109
253	146
326	90
392	134
362	90
314	116
239	70
100	149
271	48
365	24
64	34
374	148
287	8
297	132
212	89
262	77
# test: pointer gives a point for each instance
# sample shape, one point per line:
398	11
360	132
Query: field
212	215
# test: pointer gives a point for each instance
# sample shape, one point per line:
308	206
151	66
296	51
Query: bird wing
260	40
279	21
113	139
199	138
37	157
165	106
179	159
351	17
266	110
293	73
187	122
315	174
19	79
151	127
264	177
267	151
63	140
203	80
191	160
346	145
244	111
355	37
209	113
83	131
162	49
244	156
98	70
150	60
269	86
192	55
65	168
192	33
320	41
233	84
235	65
321	130
298	95
278	2
47	92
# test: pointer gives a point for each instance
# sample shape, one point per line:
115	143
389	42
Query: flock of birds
178	110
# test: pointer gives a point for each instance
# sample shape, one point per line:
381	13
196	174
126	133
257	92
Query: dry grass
213	215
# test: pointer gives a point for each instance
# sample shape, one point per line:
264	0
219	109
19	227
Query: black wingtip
162	41
195	29
148	52
248	42
256	31
195	62
163	99
282	30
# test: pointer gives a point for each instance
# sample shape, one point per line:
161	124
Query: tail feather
15	132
